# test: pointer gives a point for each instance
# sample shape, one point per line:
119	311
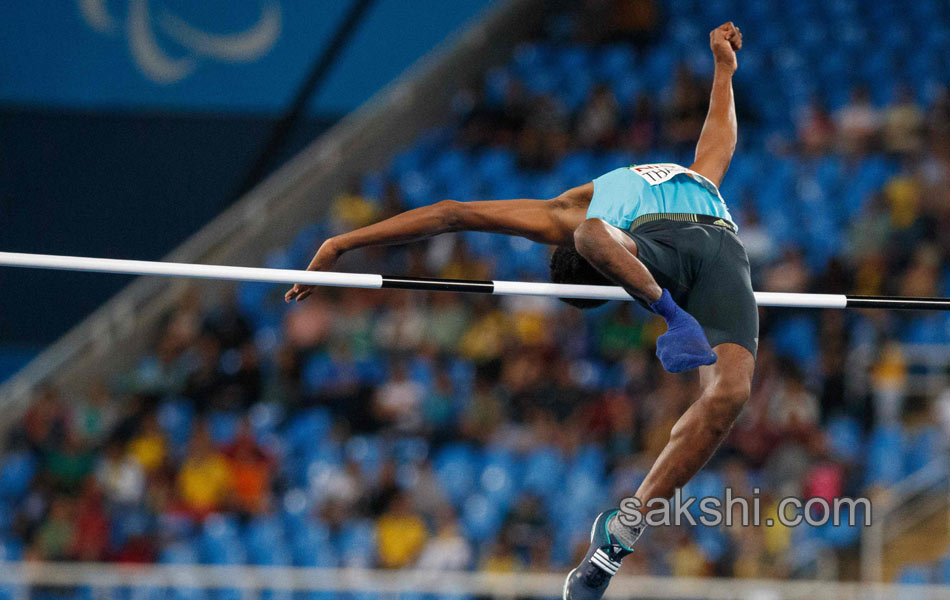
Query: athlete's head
568	266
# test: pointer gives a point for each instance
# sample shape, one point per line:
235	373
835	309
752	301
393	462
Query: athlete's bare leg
694	438
696	435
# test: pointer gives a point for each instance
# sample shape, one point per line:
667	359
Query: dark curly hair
568	266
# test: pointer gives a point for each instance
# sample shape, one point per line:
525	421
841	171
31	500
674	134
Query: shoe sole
567	580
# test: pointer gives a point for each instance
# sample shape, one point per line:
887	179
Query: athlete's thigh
722	300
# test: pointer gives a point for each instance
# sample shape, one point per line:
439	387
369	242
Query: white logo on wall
191	45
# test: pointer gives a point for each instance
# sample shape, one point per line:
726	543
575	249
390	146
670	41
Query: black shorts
706	270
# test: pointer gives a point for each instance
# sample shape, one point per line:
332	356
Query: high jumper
663	233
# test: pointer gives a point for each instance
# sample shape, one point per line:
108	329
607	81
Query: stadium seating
804	202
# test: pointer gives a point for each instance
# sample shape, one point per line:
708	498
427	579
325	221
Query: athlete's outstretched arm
717	142
546	221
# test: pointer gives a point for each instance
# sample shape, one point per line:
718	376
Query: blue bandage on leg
684	345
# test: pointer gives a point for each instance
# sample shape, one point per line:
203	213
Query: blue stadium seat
252	298
277	594
16	473
410	450
575	95
657	66
591	459
707	482
529	57
614	61
6	517
224	594
544	471
926	329
179	553
885	458
175	416
371	369
495	164
311	546
264	540
279	259
357	543
921	447
308	428
223	427
843	535
368	452
451	164
497	82
462	374
547	80
914	575
583	492
481	518
573	59
220	541
11	550
455	467
296	507
796	338
500	477
126	522
711	541
407	161
421	371
845	438
578	166
265	417
417	189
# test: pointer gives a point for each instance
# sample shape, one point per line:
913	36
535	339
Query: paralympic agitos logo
167	48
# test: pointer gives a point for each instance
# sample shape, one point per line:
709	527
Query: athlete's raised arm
546	221
717	142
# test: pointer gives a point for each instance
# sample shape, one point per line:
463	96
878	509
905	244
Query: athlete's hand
324	260
724	41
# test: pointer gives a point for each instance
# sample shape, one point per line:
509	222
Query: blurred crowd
122	475
455	432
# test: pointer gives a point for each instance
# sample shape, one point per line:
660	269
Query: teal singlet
622	195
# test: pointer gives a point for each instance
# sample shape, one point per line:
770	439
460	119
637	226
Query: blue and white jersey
622	195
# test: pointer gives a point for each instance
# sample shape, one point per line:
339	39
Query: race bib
659	173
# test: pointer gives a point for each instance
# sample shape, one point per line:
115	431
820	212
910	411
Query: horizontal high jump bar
371	281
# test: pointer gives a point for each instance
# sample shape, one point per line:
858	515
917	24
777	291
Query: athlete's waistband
684	218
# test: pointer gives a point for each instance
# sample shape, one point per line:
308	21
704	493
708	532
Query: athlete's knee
724	401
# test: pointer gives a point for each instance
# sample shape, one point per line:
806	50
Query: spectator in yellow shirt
400	534
204	482
149	447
